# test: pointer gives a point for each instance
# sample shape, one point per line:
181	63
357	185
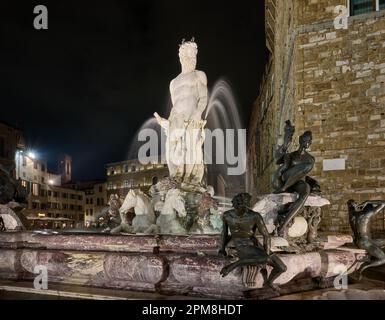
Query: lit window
35	189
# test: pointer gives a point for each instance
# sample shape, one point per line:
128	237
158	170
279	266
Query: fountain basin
167	264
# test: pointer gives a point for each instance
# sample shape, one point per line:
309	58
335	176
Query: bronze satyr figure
243	222
291	175
359	218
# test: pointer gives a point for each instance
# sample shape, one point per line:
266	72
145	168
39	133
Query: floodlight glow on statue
184	127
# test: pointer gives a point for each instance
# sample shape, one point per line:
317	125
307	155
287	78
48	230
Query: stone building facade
50	204
95	197
329	80
55	207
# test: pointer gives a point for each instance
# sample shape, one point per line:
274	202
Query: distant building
65	168
131	174
96	200
95	193
11	141
34	171
330	80
56	207
54	200
50	205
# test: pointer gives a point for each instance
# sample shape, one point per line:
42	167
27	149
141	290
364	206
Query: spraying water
222	112
150	123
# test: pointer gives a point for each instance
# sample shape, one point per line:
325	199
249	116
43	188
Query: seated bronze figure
359	218
243	224
291	175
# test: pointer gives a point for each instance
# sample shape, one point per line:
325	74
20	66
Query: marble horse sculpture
243	223
169	220
291	175
144	220
185	128
359	218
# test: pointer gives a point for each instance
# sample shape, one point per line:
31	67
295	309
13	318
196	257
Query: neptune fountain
171	245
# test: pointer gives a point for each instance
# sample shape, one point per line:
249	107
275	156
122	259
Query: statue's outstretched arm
378	205
164	123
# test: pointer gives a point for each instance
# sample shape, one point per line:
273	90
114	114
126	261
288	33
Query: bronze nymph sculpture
243	223
291	175
359	219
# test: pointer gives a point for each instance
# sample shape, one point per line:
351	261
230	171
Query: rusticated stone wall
332	82
166	264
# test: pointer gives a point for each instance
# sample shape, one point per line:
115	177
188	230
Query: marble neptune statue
185	128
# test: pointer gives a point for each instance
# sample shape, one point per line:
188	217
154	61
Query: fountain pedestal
191	206
167	264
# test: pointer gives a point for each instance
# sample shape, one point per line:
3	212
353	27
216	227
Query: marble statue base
13	219
304	228
198	214
166	264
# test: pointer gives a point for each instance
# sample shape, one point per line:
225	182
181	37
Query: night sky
86	85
